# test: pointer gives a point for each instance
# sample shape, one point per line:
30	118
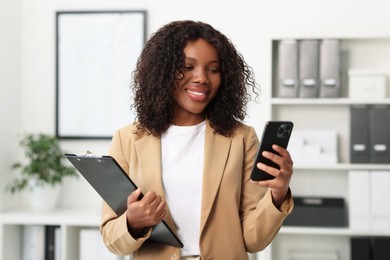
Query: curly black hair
162	60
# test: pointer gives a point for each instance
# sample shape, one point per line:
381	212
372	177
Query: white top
182	170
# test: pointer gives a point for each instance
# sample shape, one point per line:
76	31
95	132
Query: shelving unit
327	180
69	221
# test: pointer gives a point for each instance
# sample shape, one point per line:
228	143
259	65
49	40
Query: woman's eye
214	70
187	67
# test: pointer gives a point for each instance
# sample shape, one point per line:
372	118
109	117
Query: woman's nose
200	76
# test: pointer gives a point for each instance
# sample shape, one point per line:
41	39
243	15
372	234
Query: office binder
359	200
33	242
50	242
309	55
380	201
379	134
359	134
380	248
330	68
92	246
360	248
112	183
287	83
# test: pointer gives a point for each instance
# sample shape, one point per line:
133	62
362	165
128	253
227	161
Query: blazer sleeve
113	228
261	220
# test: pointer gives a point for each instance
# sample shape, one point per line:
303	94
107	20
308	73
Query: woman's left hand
280	184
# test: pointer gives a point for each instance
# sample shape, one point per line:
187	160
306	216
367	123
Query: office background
27	63
27	58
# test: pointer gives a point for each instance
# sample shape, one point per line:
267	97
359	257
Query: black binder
379	134
360	248
380	248
359	134
114	186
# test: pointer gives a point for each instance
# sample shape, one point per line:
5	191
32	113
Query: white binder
92	246
380	201
359	200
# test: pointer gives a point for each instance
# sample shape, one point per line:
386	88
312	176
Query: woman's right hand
144	213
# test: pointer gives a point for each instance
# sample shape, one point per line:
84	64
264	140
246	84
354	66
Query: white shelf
326	101
69	217
343	167
329	231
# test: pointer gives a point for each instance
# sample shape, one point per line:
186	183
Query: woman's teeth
195	93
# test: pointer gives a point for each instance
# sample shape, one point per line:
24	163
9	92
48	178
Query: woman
191	155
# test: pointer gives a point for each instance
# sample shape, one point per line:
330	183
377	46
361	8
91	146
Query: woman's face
198	84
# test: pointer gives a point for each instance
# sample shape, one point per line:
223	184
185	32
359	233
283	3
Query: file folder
287	85
359	200
109	180
309	55
33	241
92	246
379	134
380	201
360	248
330	68
359	134
380	248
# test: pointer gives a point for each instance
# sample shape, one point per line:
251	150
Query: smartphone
275	132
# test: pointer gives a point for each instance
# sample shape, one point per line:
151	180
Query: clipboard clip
90	154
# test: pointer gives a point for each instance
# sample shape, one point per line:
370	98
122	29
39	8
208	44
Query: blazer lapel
216	152
149	157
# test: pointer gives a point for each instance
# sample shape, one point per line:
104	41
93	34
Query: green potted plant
44	167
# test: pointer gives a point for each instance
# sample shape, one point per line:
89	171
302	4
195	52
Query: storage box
317	212
314	147
366	84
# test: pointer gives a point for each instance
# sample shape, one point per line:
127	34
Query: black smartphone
275	132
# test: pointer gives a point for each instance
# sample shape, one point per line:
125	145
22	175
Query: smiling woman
163	62
191	155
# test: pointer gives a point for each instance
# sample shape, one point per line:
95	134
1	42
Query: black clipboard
112	183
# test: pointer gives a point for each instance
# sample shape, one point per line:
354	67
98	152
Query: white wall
249	24
10	75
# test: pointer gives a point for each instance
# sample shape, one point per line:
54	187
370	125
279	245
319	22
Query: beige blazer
237	216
